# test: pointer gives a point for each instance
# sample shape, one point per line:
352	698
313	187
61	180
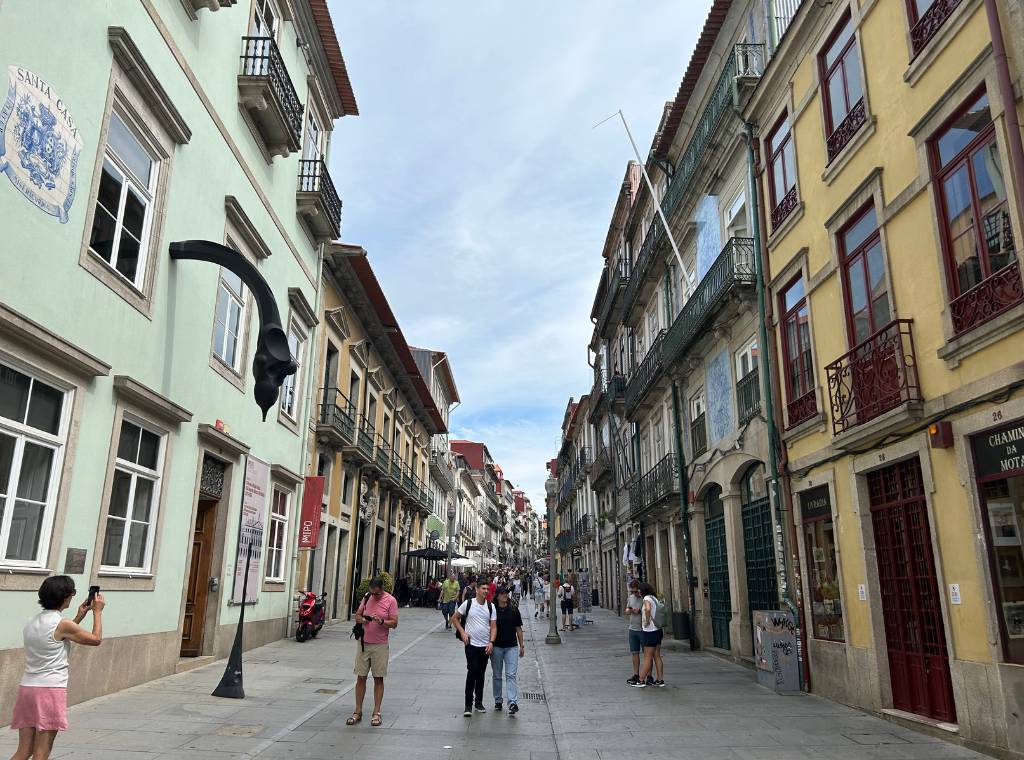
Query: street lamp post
451	535
551	487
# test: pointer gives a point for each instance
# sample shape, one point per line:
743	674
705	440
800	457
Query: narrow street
574	701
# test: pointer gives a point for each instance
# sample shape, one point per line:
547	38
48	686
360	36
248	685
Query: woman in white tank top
40	710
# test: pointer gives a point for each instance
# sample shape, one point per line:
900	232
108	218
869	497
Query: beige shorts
371	657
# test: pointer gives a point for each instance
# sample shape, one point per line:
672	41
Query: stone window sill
17	578
920	64
815	423
849	151
228	373
958	348
273	586
789	223
878	428
116	580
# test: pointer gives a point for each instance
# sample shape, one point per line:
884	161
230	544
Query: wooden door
914	633
198	579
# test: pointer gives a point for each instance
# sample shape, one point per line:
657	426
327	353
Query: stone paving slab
299	695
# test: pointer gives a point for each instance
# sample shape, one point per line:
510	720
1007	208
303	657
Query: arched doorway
758	548
718	567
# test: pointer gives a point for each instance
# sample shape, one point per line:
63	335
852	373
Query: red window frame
805	369
776	152
839	66
848	260
940	173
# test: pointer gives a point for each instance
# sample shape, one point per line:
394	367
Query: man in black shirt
509	646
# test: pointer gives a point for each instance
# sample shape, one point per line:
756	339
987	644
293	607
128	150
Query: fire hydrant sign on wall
309	525
39	143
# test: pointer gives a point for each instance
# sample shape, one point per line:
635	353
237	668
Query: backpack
660	614
469	605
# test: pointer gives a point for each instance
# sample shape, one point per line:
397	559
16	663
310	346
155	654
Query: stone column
698	540
739	628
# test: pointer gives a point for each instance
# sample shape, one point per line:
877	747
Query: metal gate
914	634
718	581
759	554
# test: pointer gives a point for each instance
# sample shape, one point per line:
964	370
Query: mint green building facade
126	410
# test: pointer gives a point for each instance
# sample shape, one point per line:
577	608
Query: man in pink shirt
378	614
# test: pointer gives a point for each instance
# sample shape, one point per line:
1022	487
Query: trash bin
681	625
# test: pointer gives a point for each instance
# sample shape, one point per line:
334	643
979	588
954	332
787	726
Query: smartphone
93	590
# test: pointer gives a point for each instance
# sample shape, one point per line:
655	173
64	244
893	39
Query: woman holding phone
40	709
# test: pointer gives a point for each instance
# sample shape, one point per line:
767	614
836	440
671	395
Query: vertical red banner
309	520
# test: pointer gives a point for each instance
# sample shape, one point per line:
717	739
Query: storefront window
822	569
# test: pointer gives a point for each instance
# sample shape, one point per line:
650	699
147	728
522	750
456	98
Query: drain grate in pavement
324	680
535	696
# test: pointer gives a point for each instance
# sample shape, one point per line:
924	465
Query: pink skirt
44	708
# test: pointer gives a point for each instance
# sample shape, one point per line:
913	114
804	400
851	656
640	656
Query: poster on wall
39	143
249	549
312	499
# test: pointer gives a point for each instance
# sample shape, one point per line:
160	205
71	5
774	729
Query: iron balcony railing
876	375
617	283
315	178
383	454
733	268
261	58
645	374
930	22
748	396
846	130
366	436
439	465
408	485
746	62
801	409
337	414
699	434
616	389
658	484
601	468
990	297
396	469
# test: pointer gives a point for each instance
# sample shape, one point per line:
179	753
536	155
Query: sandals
376	720
356	718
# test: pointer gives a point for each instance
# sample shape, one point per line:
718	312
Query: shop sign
39	143
815	503
999	452
312	499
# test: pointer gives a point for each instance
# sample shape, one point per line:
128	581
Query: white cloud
475	180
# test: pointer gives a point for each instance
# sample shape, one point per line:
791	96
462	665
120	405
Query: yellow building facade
369	437
889	167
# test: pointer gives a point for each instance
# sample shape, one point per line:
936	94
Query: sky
482	193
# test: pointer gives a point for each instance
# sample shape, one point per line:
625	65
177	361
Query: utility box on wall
775	651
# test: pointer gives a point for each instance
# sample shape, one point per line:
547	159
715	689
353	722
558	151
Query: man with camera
378	616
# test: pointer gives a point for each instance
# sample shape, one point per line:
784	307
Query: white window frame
128	182
22	434
698	405
293	383
732	212
277	524
241	300
135	471
275	32
746	353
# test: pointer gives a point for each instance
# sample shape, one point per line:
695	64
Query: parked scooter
312	611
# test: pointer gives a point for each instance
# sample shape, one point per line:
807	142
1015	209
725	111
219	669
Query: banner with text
249	550
312	499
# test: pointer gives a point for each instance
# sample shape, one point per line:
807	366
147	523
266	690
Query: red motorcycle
312	611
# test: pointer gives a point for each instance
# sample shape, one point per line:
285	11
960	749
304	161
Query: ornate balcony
364	440
617	283
847	130
396	470
359	447
801	409
335	421
645	375
441	469
930	23
699	434
785	207
988	299
317	201
382	455
659	484
266	93
601	469
748	396
877	375
615	391
734	268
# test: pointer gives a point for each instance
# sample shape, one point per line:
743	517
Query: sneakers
638	684
479	707
651	681
497	705
468	712
633	680
513	708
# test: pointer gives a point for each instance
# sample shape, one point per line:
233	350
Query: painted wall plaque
39	143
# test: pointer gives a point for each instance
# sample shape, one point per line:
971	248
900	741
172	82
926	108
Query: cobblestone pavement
575	706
